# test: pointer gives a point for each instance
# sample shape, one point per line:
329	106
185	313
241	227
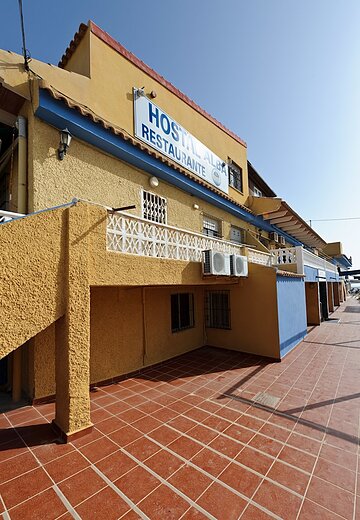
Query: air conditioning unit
274	237
282	241
216	263
238	265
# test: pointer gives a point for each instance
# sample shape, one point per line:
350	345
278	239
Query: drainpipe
22	165
21	208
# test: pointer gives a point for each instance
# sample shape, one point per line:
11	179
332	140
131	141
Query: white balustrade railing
285	256
133	235
317	262
301	257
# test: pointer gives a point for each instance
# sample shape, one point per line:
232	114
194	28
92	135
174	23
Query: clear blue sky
284	75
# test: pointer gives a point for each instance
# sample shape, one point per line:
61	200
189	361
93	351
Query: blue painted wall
310	274
291	312
331	277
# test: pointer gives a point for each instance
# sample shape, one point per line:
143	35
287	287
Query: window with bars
217	309
235	176
211	227
182	311
154	207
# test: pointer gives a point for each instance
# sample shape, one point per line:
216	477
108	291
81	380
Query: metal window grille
182	311
211	227
235	176
217	309
154	207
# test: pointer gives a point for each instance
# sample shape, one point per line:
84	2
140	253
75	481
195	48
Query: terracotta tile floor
186	439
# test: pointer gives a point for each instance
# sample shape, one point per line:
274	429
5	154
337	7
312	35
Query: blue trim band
59	115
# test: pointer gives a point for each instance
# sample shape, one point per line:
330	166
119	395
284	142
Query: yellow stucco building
103	241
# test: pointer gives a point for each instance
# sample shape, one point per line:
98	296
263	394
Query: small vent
352	308
266	399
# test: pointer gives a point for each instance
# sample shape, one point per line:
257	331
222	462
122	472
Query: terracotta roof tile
289	274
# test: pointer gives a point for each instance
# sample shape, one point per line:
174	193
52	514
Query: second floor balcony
130	234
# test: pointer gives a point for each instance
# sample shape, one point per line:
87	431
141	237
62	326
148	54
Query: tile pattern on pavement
186	440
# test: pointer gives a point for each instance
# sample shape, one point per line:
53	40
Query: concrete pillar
312	303
336	294
72	334
330	296
342	296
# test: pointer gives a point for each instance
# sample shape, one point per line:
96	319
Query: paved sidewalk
187	439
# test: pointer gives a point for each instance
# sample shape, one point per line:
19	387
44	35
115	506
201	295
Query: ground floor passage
188	439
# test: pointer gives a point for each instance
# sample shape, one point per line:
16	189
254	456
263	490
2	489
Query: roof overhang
261	205
10	101
287	220
343	260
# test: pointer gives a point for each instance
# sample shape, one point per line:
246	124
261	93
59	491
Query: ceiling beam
275	214
281	219
290	226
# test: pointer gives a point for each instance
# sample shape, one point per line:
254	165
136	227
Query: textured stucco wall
72	333
116	332
161	342
43	345
254	322
92	175
127	335
32	274
113	78
119	76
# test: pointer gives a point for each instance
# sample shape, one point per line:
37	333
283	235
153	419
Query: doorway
324	308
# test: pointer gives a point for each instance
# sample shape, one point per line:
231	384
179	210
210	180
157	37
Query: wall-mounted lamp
154	182
196	206
65	140
153	94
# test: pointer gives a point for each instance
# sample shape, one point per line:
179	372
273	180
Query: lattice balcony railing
133	235
258	257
